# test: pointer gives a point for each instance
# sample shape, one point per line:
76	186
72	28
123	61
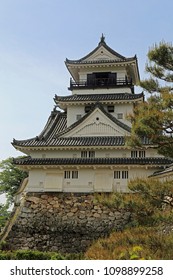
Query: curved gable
98	123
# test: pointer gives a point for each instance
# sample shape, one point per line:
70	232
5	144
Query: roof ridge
100	44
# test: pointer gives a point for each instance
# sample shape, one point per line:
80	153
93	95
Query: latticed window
141	154
84	154
91	154
67	174
125	174
117	174
74	174
136	154
71	174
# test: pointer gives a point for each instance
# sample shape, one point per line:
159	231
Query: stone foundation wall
63	222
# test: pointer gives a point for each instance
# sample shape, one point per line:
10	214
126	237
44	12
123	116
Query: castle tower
82	146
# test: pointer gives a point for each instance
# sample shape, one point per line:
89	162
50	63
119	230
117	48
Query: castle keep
81	153
82	147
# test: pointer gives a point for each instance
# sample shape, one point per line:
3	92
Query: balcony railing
101	82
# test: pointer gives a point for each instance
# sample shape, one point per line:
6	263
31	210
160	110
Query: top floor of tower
103	68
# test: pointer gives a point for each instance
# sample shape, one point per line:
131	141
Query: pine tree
154	117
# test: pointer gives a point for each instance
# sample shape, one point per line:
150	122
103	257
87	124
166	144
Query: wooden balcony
100	83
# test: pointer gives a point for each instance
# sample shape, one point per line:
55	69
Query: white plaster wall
84	183
89	179
36	180
72	112
102	90
75	152
53	180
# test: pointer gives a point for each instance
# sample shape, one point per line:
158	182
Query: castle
82	148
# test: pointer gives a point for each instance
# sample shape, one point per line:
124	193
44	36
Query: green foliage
31	255
136	243
154	117
160	62
4	214
37	255
146	202
111	200
3	245
148	205
149	234
10	178
6	255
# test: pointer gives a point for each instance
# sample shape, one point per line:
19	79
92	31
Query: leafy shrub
38	255
31	255
6	255
135	243
146	202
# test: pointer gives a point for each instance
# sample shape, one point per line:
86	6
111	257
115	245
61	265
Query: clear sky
37	35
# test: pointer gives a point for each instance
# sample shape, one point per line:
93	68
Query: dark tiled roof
81	61
101	43
92	161
55	124
74	141
98	97
90	141
165	171
106	141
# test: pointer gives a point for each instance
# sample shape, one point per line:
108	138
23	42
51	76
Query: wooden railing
101	82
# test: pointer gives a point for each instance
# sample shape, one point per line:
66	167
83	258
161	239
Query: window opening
87	108
67	174
141	154
117	174
91	154
120	116
83	154
74	174
134	154
110	108
125	174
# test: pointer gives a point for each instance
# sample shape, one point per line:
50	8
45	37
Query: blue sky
37	35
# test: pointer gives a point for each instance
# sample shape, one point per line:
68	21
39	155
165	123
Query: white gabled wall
97	124
79	110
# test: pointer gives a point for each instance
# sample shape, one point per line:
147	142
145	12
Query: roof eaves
54	118
101	43
91	161
97	97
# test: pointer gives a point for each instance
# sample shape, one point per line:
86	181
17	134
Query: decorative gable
102	54
97	124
